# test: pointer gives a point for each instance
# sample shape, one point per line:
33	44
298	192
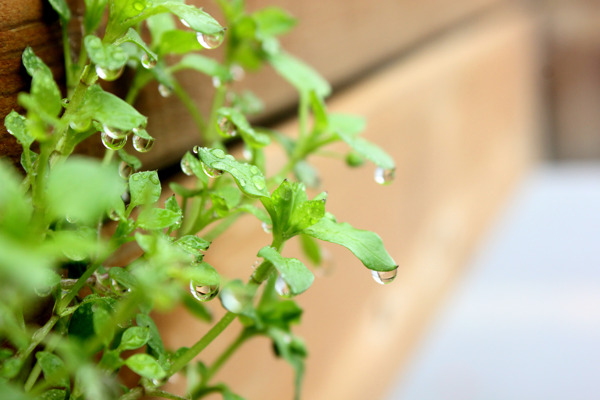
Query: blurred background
491	109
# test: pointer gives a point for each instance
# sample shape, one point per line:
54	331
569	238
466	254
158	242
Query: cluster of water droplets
115	139
203	292
384	277
384	176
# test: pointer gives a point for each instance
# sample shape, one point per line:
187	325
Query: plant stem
38	336
210	135
66	300
201	344
243	336
163	394
189	104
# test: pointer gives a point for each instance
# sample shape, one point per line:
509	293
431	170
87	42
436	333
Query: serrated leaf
144	188
298	74
248	177
145	365
249	135
106	55
294	273
157	218
62	8
55	370
134	337
365	245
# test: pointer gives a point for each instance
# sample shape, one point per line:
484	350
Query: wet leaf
298	74
134	337
144	188
294	273
55	370
145	365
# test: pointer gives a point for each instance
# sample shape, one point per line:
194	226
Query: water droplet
203	292
114	133
148	62
186	167
80	125
125	170
65	102
70	219
196	149
216	81
211	172
108	74
256	263
247	153
136	177
254	169
142	144
112	143
282	288
259	182
384	176
118	288
210	41
227	127
154	179
242	182
184	23
139	6
218	153
267	228
384	277
237	72
164	90
112	214
233	300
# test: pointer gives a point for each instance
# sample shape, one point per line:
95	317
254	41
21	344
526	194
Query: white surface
525	321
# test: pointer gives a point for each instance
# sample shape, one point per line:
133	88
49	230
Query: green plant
68	319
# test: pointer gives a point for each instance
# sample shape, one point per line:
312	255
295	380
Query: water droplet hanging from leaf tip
203	292
384	176
210	41
108	74
164	90
148	62
384	277
282	288
141	144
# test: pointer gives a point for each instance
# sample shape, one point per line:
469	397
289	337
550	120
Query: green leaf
110	361
347	124
202	274
290	210
224	199
105	55
82	189
365	245
94	10
16	125
259	213
145	365
298	74
195	18
110	111
155	343
55	394
45	97
103	325
55	370
158	25
311	249
62	8
249	135
294	273
191	165
15	207
273	21
307	174
193	244
248	177
134	37
293	350
157	218
134	337
144	188
122	277
178	42
205	65
130	159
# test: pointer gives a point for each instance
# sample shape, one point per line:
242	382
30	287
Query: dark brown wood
24	23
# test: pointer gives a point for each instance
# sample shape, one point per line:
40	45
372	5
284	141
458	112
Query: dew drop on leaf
237	72
164	90
259	182
227	127
203	292
114	132
148	62
211	172
186	167
112	214
267	228
384	277
108	74
216	81
184	23
384	176
210	41
282	288
112	143
125	170
142	144
218	153
139	6
196	149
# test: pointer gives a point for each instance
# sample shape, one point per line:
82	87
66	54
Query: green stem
38	336
163	394
189	104
210	134
201	344
243	336
66	300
